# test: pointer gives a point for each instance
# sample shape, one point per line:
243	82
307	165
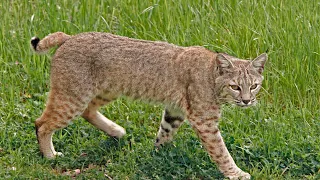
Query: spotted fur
90	70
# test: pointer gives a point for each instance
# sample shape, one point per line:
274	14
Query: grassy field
278	139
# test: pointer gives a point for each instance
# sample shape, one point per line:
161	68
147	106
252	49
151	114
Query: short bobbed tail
52	40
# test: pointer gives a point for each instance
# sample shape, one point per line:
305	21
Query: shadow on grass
170	162
125	158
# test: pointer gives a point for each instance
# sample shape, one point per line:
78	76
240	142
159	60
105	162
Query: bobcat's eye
253	86
235	87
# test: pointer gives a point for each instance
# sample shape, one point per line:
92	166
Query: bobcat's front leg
205	124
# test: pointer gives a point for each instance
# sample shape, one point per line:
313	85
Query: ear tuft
258	63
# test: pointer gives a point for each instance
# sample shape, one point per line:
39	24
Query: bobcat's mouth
242	104
245	104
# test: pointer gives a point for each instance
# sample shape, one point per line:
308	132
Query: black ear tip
34	42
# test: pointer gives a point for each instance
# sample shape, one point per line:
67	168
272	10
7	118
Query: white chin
244	105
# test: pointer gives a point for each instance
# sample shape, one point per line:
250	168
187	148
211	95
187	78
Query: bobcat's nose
246	101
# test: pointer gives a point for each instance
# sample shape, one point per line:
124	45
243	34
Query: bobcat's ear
258	63
224	64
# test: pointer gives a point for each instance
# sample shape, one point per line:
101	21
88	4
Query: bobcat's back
136	68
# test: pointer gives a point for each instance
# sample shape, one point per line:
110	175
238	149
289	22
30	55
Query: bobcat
92	69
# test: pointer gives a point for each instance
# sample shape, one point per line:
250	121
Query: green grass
278	139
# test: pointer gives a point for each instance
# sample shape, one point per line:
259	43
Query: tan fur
54	39
89	70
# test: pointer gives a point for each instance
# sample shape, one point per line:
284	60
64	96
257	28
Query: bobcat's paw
240	176
53	155
162	140
157	143
117	132
58	154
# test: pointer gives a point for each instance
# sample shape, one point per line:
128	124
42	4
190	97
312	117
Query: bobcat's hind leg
59	111
171	121
92	115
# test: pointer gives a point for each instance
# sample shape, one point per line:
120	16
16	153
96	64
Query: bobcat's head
239	80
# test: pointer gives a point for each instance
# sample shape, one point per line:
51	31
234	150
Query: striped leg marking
170	123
